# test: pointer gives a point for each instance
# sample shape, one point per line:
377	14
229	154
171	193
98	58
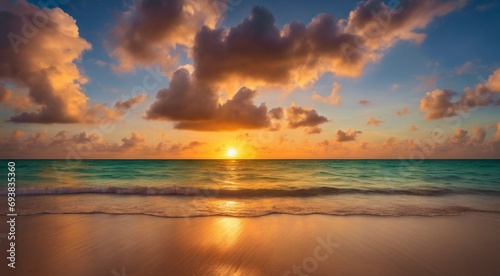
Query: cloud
19	102
151	29
459	137
35	139
460	144
59	138
86	144
101	63
394	86
391	142
130	103
497	133
176	148
313	130
276	113
184	100
478	134
41	59
464	68
85	137
403	111
382	28
256	51
192	145
5	93
16	135
373	121
346	136
334	97
303	117
13	144
194	106
493	81
240	112
364	102
135	141
41	48
413	128
438	103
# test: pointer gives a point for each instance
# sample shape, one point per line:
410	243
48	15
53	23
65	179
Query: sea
250	188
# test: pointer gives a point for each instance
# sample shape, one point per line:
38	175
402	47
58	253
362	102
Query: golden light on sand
231	152
226	231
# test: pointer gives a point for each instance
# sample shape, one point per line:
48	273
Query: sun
231	152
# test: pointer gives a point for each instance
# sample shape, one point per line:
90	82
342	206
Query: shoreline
468	212
277	244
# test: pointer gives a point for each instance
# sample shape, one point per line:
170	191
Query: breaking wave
262	193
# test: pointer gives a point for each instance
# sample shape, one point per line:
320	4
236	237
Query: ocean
249	188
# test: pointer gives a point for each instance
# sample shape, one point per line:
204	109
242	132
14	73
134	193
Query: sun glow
231	152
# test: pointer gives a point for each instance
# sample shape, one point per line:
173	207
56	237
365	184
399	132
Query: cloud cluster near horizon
439	103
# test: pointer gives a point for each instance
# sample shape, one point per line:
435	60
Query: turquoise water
187	188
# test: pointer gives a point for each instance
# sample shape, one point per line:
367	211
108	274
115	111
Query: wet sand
119	245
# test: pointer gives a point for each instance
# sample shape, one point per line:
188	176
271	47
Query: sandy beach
98	244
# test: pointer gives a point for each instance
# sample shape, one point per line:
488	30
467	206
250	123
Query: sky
250	79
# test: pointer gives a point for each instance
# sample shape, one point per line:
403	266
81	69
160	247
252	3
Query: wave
421	212
211	192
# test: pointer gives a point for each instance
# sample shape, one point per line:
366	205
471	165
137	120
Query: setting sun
231	152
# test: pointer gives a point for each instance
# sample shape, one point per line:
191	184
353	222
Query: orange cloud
44	63
363	102
41	60
16	135
240	112
346	136
497	134
176	148
460	144
493	81
478	134
373	121
381	28
459	137
438	103
135	141
130	103
276	113
303	117
5	93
